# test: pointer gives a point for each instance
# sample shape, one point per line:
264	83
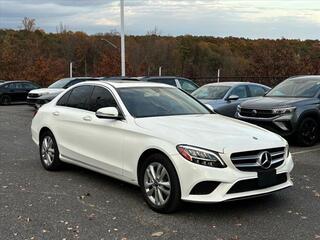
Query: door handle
56	113
87	118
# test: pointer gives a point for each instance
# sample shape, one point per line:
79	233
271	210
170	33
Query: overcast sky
240	18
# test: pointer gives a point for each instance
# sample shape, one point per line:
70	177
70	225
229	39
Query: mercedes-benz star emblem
265	160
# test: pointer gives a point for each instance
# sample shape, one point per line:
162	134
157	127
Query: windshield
159	101
62	83
211	92
296	88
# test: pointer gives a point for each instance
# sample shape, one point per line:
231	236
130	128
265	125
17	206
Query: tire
49	152
164	179
308	132
5	100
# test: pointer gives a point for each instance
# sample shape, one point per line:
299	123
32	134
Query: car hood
214	103
47	90
276	102
210	131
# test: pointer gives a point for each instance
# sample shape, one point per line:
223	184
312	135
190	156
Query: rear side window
256	91
169	81
29	86
79	97
101	98
63	101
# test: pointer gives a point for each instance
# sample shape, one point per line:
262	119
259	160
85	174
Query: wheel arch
309	113
144	156
43	130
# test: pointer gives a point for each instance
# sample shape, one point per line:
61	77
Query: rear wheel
5	100
160	184
49	153
308	132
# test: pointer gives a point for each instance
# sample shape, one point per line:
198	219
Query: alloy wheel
47	150
309	131
157	184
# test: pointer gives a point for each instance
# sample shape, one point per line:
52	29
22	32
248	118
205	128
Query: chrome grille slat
277	153
248	161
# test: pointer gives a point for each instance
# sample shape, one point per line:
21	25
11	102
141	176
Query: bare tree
29	24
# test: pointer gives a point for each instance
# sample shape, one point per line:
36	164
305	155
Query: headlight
201	156
287	151
284	110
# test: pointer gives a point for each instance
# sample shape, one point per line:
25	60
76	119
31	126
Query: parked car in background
292	108
182	83
42	96
15	91
2	81
225	97
161	139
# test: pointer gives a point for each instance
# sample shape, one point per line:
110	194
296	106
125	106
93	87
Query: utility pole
123	54
160	71
70	70
218	79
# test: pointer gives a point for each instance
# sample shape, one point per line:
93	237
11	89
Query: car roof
305	77
80	78
17	81
127	84
232	84
164	77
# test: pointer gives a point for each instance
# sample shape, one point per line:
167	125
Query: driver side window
101	98
240	91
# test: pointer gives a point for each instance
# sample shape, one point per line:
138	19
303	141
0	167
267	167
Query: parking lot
80	204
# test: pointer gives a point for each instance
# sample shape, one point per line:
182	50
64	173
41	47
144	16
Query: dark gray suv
291	109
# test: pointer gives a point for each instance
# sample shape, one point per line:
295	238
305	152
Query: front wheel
5	100
159	183
49	153
308	132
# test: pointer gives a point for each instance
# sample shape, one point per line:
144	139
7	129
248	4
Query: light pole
123	54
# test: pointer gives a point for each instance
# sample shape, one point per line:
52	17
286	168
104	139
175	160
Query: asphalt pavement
80	204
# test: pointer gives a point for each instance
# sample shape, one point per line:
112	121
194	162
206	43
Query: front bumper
283	125
191	174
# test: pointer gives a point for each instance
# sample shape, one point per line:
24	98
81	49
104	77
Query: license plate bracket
267	178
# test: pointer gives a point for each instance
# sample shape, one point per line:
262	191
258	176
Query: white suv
160	138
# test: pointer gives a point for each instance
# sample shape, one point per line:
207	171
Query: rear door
16	92
85	138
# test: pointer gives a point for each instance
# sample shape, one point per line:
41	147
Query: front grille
255	113
247	161
253	184
33	95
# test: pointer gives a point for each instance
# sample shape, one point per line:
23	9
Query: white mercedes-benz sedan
161	139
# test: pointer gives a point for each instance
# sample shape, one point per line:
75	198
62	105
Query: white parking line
306	151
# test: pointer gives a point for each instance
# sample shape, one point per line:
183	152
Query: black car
180	82
15	91
291	109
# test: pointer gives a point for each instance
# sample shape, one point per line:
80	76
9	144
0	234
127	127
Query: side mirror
232	98
108	113
209	106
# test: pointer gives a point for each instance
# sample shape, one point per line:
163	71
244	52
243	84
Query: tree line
33	54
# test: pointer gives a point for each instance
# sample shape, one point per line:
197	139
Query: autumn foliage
33	54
